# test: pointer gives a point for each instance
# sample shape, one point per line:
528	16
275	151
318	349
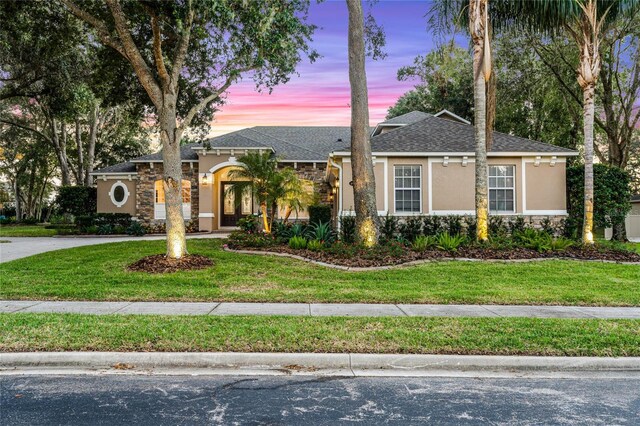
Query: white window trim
112	194
403	213
489	188
159	209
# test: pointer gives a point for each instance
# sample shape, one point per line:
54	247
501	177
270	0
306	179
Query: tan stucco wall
418	161
105	205
347	191
453	186
635	208
546	186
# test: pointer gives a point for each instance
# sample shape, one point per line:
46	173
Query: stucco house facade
423	164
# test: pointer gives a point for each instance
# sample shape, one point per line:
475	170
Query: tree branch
157	52
183	45
30	129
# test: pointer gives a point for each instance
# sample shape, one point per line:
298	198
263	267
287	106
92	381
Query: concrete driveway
19	247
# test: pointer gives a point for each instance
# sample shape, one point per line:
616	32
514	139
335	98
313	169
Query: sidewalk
317	309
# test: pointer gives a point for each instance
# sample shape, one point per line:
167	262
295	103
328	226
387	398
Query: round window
118	194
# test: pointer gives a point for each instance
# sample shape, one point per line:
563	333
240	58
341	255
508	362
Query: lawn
513	336
26	231
98	273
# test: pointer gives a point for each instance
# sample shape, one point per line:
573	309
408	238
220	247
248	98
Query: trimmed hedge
77	200
319	213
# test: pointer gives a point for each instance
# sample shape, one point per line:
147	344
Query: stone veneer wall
145	190
317	175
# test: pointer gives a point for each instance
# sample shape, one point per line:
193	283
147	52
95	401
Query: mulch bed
160	264
365	258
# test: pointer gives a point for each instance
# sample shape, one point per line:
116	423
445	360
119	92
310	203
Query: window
408	189
159	207
502	192
119	194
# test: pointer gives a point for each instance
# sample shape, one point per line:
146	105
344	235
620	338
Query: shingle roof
432	134
186	153
408	118
127	167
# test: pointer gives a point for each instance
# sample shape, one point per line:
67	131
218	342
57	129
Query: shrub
471	227
136	229
297	243
315	245
321	232
448	242
411	228
389	228
29	221
105	229
348	229
248	223
243	239
76	200
432	225
113	219
534	240
297	230
516	225
319	213
192	226
7	220
280	231
497	226
561	244
499	242
454	224
546	225
157	228
84	221
424	242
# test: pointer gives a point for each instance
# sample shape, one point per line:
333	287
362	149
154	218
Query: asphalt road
176	400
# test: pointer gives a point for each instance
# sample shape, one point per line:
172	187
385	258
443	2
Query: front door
232	211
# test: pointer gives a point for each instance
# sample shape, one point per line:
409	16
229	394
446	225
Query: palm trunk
265	219
589	111
364	185
172	175
477	22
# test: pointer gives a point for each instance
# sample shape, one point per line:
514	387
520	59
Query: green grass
98	273
513	336
26	231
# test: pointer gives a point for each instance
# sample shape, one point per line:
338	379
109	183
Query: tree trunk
81	166
59	142
589	110
172	176
94	121
364	185
16	193
265	219
477	22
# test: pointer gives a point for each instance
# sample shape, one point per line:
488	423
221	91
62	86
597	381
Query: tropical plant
136	229
297	230
424	242
450	243
561	244
248	223
298	243
315	245
321	232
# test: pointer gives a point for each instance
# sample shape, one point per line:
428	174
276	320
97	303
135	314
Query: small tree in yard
187	54
259	175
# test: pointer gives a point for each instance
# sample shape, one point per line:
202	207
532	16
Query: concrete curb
356	365
414	262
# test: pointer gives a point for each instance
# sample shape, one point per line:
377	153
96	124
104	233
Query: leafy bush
321	232
448	242
499	242
497	226
411	228
76	200
58	219
611	191
29	221
297	243
470	227
389	228
454	224
7	220
315	245
424	242
516	225
136	229
248	223
241	239
157	228
432	225
113	219
105	229
84	221
281	231
547	226
534	240
348	229
319	213
192	226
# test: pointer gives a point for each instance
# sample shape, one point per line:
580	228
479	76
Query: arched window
159	207
119	194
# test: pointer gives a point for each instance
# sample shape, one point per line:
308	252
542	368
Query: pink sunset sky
320	94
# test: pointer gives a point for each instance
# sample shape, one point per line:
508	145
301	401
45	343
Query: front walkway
317	309
19	247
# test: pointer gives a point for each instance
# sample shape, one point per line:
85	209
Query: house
633	219
423	165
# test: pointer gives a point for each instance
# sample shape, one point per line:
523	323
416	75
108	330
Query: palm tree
270	186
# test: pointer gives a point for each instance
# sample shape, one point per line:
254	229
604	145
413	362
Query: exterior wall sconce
204	179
